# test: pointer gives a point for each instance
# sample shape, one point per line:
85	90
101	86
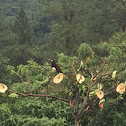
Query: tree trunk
76	122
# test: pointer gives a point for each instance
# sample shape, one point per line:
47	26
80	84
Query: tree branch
89	88
39	95
105	74
99	69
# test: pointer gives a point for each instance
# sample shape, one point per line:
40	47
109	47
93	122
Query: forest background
32	31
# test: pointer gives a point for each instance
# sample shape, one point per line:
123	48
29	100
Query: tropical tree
89	79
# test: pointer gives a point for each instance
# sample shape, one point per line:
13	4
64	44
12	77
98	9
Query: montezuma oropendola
53	64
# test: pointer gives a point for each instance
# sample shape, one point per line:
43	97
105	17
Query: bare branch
105	74
83	105
91	72
89	88
99	69
90	105
39	95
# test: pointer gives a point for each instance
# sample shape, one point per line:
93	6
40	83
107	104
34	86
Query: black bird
53	64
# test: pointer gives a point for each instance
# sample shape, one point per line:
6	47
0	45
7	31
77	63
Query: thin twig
85	99
49	78
105	74
29	83
19	76
121	74
114	86
90	105
99	69
91	72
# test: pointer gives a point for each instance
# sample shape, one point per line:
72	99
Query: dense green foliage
71	32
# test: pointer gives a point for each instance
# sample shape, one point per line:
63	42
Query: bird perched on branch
53	64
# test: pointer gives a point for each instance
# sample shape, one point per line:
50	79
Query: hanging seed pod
58	78
3	88
99	93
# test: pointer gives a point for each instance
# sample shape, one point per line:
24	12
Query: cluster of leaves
32	110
